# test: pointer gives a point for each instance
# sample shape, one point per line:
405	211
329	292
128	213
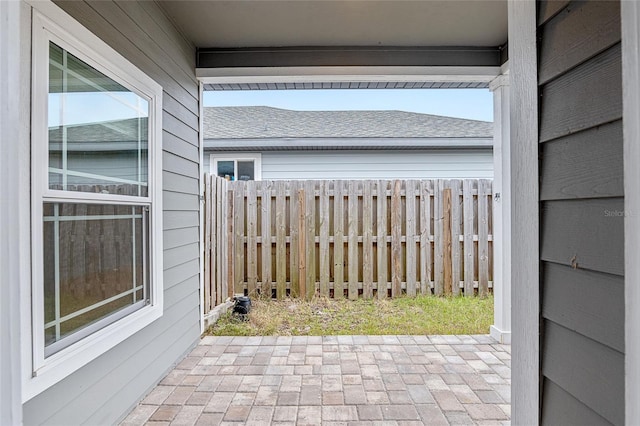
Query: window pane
95	265
98	130
226	169
245	170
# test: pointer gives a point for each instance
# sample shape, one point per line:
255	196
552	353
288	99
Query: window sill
62	364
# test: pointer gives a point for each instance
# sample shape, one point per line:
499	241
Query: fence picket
425	240
483	238
310	250
208	225
294	250
281	244
410	223
352	256
252	238
446	243
230	243
455	236
238	225
367	240
396	239
338	239
265	235
324	238
438	248
381	244
467	203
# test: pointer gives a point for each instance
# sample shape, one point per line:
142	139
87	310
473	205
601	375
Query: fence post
447	264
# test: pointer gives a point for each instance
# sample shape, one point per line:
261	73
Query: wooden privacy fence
348	238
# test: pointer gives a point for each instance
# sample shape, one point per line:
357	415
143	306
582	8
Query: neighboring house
567	102
271	143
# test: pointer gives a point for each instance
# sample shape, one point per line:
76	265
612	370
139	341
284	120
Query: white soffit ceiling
267	23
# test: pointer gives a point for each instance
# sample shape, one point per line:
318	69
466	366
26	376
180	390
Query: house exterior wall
375	164
103	391
581	204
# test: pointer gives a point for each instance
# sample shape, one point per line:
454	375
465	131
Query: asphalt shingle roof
260	122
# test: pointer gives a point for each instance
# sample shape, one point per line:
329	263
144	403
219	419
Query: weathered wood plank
281	245
467	204
456	234
587	164
352	257
563	46
382	232
585	234
302	242
396	239
294	234
221	222
367	239
425	238
438	271
446	241
265	233
209	197
338	238
411	262
252	242
590	303
585	97
238	227
325	267
230	245
310	208
601	370
483	237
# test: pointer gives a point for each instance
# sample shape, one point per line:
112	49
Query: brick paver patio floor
335	380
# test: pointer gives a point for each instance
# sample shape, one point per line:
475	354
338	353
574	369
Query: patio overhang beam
350	56
348	68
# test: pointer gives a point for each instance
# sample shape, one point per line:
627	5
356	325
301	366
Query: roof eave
283	144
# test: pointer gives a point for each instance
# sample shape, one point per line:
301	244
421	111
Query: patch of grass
324	317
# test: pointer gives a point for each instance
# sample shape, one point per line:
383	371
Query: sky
474	104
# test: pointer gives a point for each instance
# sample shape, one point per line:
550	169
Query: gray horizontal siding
103	391
560	404
376	164
586	234
587	164
588	370
582	212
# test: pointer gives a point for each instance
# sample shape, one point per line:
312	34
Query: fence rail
348	238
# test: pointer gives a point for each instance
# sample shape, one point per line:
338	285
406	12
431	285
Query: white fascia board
258	75
347	143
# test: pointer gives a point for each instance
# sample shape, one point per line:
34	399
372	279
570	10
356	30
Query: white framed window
237	166
96	199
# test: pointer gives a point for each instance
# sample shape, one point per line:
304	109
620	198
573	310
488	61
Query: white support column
10	211
525	214
631	130
501	328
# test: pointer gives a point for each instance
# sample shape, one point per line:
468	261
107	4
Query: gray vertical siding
103	391
581	200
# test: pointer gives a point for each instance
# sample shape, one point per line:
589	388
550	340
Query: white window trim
256	157
51	23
